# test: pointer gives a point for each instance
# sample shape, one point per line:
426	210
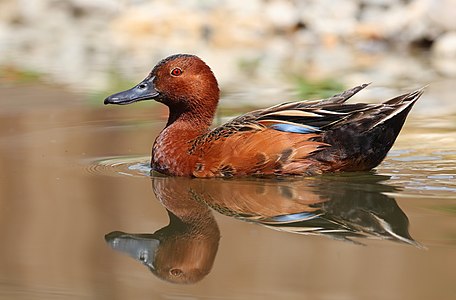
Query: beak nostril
142	91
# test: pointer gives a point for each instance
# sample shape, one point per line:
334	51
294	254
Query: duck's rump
362	141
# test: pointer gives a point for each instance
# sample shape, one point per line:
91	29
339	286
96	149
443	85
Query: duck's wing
315	116
298	117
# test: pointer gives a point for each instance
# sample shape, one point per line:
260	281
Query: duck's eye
176	72
176	272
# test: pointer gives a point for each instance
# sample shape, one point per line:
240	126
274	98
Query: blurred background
260	50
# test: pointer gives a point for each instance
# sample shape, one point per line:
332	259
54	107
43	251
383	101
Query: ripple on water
417	173
133	166
426	174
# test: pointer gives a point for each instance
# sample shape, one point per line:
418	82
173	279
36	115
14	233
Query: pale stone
443	14
444	54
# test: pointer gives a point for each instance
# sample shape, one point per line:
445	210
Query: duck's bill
145	90
142	247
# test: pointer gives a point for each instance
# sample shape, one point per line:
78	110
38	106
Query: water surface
81	218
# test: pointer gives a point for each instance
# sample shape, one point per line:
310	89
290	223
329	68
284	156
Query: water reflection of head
187	251
184	250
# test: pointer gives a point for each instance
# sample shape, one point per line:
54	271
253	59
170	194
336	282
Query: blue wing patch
294	128
289	218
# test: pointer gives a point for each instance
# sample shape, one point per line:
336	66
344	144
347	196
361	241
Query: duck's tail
401	106
362	141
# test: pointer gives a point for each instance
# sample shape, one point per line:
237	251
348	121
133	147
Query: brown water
74	175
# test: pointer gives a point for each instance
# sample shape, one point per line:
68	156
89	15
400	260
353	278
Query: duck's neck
170	154
199	119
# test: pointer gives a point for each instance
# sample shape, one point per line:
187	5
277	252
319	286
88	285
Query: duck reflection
185	249
338	207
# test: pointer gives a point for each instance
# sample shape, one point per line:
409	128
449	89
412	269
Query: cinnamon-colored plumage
295	138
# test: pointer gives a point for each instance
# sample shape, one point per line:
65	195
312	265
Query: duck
302	138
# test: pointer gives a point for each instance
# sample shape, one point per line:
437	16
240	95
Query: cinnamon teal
291	138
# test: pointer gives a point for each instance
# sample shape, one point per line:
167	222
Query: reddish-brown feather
265	152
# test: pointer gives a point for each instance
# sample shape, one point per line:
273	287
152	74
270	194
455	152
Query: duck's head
180	81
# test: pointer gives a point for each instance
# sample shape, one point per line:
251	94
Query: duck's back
304	138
